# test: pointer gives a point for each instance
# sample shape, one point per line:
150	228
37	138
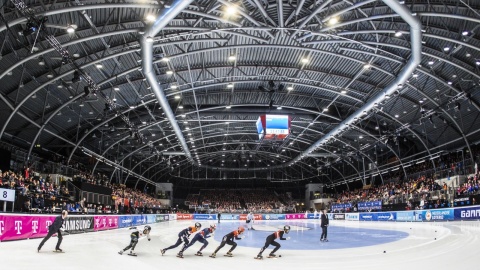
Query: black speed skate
58	250
272	256
198	254
180	255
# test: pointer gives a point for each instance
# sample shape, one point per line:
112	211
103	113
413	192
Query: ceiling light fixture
70	29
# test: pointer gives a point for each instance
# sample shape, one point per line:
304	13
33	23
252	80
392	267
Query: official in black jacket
55	229
324	225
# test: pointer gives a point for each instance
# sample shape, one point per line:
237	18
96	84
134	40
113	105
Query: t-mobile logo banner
105	222
34	226
18	226
21	227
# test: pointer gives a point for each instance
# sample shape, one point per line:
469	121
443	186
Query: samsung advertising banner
338	216
78	224
467	213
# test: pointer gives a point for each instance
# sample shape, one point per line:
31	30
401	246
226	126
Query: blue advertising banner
467	213
340	206
230	217
125	221
384	216
273	217
139	220
406	216
151	218
377	205
313	216
205	216
435	215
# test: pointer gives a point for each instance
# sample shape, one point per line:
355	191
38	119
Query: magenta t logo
48	224
2	227
18	226
35	226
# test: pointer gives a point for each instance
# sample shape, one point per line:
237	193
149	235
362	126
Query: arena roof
364	82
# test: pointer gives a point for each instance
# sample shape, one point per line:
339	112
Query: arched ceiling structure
221	64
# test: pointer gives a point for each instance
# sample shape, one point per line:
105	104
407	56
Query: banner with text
435	214
352	216
363	206
230	216
341	206
184	216
382	216
467	213
78	224
255	216
273	216
205	216
338	216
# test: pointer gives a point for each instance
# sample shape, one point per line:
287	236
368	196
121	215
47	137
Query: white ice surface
456	246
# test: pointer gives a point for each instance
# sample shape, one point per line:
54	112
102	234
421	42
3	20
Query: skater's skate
213	255
229	254
162	251
180	255
271	255
132	253
120	252
199	253
259	257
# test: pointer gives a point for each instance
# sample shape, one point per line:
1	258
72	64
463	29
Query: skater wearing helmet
228	239
271	241
183	237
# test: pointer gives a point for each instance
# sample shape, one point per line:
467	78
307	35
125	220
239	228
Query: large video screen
276	124
260	130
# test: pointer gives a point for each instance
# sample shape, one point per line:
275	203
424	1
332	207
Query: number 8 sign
7	195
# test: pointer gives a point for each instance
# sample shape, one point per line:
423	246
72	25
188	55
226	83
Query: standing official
324	225
55	229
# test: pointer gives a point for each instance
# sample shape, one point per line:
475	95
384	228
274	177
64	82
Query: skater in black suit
324	225
271	241
55	229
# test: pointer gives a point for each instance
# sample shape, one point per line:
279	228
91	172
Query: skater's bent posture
271	241
134	236
228	239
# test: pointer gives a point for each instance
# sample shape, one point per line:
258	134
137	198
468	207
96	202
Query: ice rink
353	245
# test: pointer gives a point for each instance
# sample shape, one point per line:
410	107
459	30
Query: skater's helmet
198	225
286	228
241	229
213	227
147	229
